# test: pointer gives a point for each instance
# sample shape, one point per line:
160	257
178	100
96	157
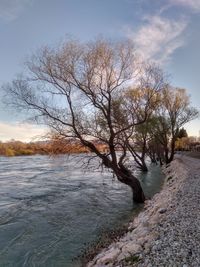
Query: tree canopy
101	91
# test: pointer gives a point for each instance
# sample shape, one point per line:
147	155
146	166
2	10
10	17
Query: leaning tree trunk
138	194
134	184
125	176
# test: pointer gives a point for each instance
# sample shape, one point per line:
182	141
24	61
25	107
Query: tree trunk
144	166
125	176
140	161
138	194
172	151
167	156
153	158
160	160
133	182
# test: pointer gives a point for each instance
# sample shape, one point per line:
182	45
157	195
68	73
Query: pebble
167	232
180	230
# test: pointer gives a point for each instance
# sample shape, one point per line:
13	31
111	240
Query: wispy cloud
11	9
194	5
21	132
158	38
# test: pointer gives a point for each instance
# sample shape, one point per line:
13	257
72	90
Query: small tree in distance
182	133
173	112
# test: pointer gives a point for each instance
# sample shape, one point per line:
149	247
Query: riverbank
167	232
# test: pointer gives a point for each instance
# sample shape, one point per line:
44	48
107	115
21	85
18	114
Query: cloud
21	132
194	5
11	9
158	38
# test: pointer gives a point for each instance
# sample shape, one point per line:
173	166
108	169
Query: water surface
50	208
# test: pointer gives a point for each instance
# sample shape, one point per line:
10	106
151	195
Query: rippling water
50	208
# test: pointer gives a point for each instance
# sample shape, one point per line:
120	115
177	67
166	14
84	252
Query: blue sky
165	31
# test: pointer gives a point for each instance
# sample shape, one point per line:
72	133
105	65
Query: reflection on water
50	208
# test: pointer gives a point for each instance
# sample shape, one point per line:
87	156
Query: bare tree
151	84
82	91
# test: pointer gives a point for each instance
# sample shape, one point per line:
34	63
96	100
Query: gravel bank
167	232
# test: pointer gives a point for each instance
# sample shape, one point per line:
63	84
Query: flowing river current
50	208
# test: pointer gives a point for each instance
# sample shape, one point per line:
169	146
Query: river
50	208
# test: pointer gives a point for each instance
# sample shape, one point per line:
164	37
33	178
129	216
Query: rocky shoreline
167	232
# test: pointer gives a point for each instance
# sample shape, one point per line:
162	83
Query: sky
164	31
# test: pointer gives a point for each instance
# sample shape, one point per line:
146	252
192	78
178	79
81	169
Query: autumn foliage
51	147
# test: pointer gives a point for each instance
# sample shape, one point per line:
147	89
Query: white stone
132	248
110	256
